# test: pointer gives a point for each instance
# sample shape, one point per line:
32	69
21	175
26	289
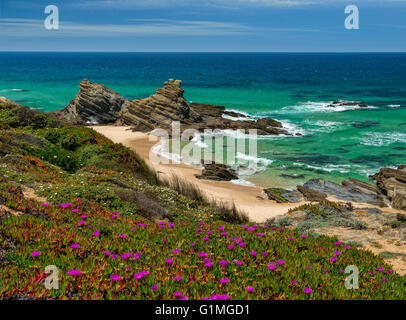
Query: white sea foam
243	182
394	105
382	138
291	127
161	149
311	106
253	159
324	126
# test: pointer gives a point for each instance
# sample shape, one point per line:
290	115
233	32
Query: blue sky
203	25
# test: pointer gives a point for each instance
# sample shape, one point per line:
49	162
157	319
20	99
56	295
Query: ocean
295	88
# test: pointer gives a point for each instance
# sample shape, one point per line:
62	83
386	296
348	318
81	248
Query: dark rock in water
218	172
351	190
282	195
292	176
312	195
365	124
94	104
399	148
391	184
341	103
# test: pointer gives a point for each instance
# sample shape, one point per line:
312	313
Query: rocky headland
97	104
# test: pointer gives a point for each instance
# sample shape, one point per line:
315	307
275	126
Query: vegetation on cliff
115	232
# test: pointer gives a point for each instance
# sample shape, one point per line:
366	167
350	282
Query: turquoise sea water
293	88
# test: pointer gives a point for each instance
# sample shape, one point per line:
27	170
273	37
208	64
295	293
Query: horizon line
27	51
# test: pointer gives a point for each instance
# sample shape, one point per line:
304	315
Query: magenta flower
134	229
169	260
122	235
221	228
96	233
347	246
75	210
230	247
107	253
201	223
126	255
75	246
224	233
113	256
379	269
253	253
307	290
45	204
264	254
293	281
198	230
250	289
338	243
208	264
260	234
74	272
337	253
272	267
325	271
332	259
35	253
177	278
183	298
177	294
138	275
224	280
165	240
304	236
176	250
308	267
84	216
280	262
202	254
239	263
154	288
113	217
81	222
115	277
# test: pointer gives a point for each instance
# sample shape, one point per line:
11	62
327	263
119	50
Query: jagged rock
168	104
282	195
94	104
391	184
312	195
352	190
341	103
218	172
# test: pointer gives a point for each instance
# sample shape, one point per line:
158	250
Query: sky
203	26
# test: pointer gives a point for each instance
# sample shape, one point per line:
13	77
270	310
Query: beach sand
244	197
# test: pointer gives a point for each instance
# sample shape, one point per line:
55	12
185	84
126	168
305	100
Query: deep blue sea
292	87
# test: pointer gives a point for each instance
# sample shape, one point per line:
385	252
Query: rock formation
352	190
282	195
343	103
391	184
218	172
94	104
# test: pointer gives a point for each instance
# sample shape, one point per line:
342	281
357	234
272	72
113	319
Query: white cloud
125	4
32	27
136	27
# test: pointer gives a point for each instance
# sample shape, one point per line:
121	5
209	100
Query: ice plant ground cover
114	233
144	266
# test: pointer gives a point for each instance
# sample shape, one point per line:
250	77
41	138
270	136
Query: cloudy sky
203	25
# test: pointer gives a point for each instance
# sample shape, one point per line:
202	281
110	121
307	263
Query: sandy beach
244	197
